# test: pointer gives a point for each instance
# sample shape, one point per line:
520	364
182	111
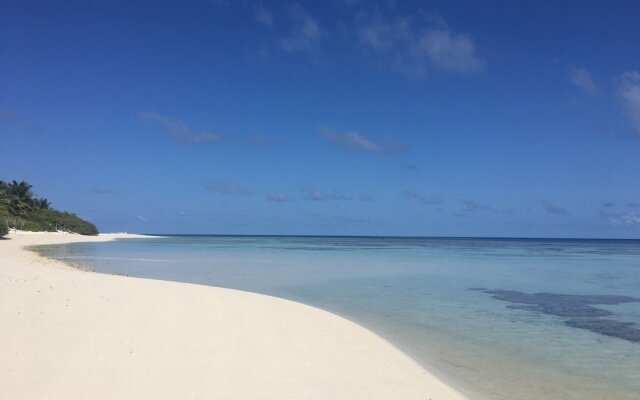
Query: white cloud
583	80
277	197
422	199
358	141
449	51
630	218
415	44
316	195
383	36
553	208
305	31
263	15
178	131
629	93
143	219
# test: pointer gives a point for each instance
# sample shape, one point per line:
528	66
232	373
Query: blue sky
449	118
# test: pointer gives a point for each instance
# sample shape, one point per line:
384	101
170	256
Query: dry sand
70	334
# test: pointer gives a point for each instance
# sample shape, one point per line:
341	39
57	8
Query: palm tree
20	200
41	204
4	208
4	199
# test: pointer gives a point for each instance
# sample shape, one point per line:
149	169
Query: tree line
21	208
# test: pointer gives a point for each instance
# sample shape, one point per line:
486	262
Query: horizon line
389	236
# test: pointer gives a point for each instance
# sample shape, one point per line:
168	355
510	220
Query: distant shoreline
503	238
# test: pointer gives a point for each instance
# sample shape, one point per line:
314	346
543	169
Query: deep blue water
415	293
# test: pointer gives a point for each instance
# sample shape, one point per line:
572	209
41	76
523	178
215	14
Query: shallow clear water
415	293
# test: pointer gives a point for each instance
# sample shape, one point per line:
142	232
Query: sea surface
465	308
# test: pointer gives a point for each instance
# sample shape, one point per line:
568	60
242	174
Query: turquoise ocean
514	319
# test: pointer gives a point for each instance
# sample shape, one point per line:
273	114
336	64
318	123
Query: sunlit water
415	293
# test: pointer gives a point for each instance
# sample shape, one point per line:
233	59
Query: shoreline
73	334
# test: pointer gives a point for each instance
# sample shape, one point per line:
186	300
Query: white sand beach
71	334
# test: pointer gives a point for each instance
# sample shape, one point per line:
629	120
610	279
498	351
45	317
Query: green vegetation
4	229
20	208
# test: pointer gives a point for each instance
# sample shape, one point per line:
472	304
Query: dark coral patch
609	327
563	305
577	307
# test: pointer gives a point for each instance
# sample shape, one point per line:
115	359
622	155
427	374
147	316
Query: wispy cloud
449	51
10	119
471	205
409	166
414	44
316	195
383	36
421	198
582	79
263	15
629	94
364	197
553	208
178	131
261	141
278	197
410	44
360	142
227	188
628	218
305	31
143	219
